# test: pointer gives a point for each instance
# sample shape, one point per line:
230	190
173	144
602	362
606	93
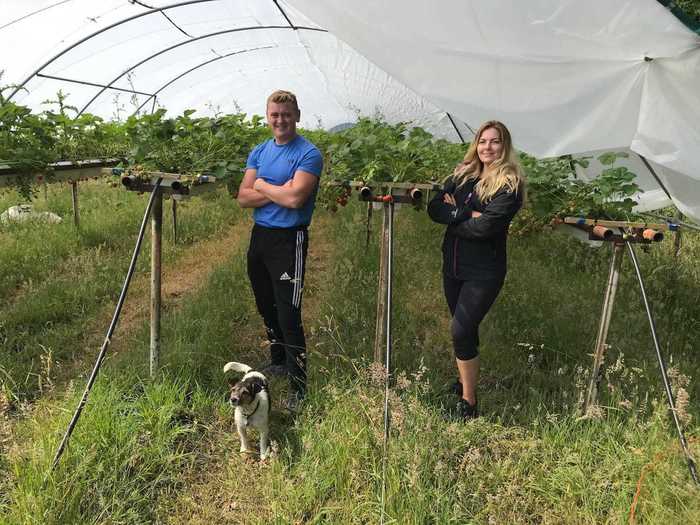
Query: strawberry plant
375	151
29	141
372	151
554	191
192	146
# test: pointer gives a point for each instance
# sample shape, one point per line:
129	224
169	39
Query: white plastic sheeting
566	76
213	56
671	186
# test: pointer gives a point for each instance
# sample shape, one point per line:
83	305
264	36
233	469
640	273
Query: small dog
251	399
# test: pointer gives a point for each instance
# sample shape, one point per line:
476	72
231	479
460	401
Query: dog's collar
257	405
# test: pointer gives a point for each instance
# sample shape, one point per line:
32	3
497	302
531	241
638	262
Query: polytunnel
567	77
115	57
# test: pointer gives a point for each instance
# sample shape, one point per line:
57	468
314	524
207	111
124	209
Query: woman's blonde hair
504	172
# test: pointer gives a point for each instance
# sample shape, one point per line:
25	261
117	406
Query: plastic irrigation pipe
675	221
662	366
387	416
112	326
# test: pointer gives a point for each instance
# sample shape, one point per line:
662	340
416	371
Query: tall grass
56	278
135	435
143	448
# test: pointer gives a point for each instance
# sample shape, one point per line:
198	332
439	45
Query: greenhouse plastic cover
567	77
238	51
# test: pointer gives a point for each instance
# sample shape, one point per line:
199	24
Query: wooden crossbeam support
666	226
621	231
10	178
57	171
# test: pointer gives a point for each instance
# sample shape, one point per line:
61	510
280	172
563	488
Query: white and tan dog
251	399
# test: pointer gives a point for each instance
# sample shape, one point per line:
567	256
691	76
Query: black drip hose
112	326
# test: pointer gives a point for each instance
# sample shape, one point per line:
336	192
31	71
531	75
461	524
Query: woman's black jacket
474	249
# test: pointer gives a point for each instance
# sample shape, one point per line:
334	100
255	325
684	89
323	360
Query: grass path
181	278
166	451
59	286
198	261
222	486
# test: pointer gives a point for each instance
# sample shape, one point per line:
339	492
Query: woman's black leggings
469	302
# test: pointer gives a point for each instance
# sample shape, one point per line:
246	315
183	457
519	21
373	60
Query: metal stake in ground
662	366
387	362
110	330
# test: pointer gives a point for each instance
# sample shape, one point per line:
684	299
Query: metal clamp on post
416	195
365	193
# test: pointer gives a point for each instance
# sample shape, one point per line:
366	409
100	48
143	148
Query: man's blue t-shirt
276	164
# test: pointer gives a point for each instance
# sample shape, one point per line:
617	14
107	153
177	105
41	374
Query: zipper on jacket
454	247
454	257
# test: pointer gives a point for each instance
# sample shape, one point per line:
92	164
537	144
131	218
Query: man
280	183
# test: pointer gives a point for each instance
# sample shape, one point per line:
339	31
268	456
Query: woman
479	200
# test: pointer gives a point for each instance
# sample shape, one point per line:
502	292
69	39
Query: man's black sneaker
294	401
466	411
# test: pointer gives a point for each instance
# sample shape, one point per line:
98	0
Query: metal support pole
606	315
389	211
174	220
156	243
379	333
76	210
110	332
662	367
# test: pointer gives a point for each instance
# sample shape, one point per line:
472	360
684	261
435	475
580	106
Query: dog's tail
237	367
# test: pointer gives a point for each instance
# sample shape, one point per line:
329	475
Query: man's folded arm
293	194
247	196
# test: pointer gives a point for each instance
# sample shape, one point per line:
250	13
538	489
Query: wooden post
677	239
369	224
380	330
174	219
156	242
389	230
76	210
606	315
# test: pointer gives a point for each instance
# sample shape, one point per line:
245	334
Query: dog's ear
254	389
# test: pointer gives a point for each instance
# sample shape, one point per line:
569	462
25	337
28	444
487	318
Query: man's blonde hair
283	97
